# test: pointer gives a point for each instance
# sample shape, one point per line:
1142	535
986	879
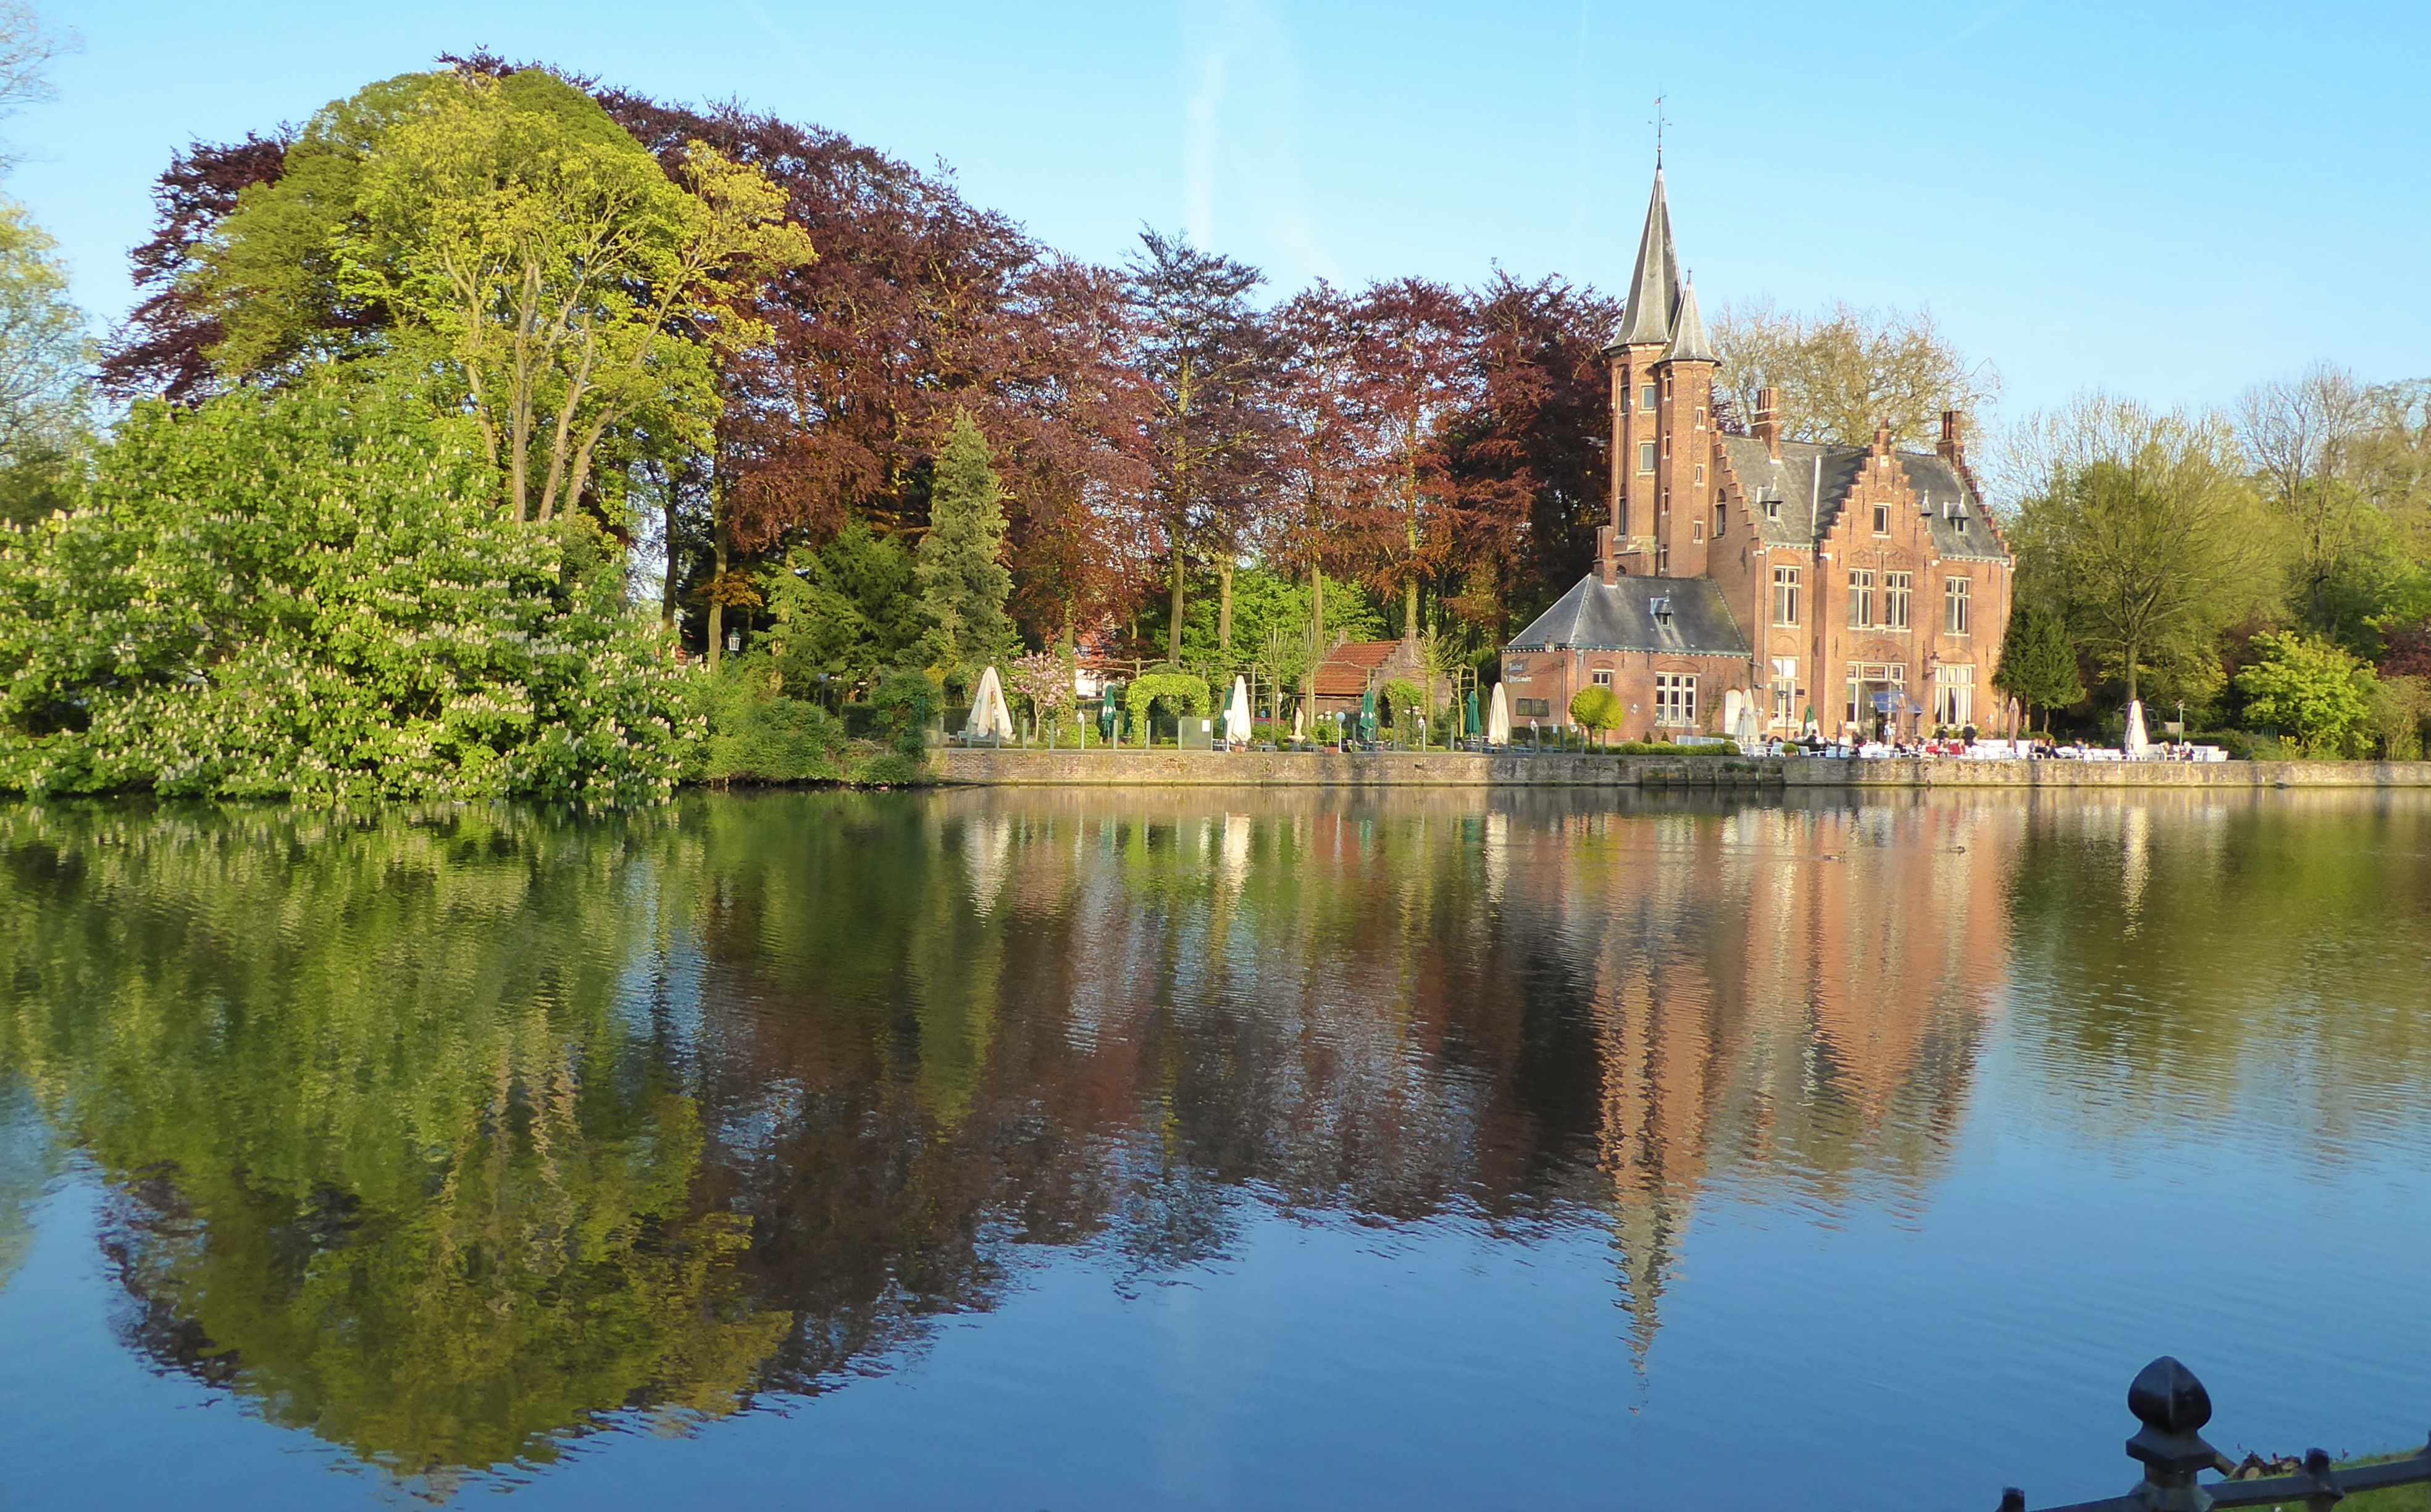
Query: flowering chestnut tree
314	593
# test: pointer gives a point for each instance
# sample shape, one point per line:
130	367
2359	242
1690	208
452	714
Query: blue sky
2169	201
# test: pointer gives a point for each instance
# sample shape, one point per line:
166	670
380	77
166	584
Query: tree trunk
2132	649
667	594
1224	612
717	584
1410	608
1317	646
1173	631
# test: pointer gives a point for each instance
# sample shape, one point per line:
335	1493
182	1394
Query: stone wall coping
1200	769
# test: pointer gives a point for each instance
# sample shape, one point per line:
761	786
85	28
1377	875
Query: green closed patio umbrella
1367	714
1468	725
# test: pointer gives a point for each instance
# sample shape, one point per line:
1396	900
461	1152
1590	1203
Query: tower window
1700	417
1646	456
1645	399
1697	528
1700	472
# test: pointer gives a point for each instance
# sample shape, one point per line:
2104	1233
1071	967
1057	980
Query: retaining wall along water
1203	768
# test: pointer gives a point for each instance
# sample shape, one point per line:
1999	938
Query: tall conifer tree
963	581
2038	660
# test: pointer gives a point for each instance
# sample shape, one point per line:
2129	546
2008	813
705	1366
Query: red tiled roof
1344	672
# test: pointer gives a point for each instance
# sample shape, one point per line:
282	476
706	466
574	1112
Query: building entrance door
1877	693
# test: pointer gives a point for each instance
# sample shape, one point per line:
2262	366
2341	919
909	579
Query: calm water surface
1116	1150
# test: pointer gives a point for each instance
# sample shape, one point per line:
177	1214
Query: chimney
1768	420
1952	446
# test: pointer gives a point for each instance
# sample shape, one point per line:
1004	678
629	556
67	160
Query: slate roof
1621	617
1654	286
1807	510
1689	343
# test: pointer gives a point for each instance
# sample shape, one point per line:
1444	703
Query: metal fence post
2173	1406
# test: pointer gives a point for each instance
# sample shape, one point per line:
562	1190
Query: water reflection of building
1783	996
822	1068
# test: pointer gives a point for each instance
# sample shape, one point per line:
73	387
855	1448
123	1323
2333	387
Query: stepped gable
1622	615
1793	479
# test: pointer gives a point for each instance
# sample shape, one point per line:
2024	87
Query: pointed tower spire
1689	343
1654	288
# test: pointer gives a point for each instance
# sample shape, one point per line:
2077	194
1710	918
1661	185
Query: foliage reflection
447	1136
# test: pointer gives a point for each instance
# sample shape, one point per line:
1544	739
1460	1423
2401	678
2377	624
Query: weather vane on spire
1658	124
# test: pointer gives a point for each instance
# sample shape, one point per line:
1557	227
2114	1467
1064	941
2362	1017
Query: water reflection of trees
381	1157
443	1136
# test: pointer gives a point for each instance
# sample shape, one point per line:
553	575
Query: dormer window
1773	509
1661	608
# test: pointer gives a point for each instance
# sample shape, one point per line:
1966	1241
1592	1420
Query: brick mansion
1844	589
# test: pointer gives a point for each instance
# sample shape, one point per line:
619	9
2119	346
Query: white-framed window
1954	696
1896	586
1785	691
1784	595
1645	399
1721	514
1675	698
1881	519
1700	417
1697	530
1663	562
1602	676
1861	599
1773	509
1646	456
1956	608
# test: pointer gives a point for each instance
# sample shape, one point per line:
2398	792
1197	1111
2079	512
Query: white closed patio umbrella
990	718
2137	743
1236	713
1498	719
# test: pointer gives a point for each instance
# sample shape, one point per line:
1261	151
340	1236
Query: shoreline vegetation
500	433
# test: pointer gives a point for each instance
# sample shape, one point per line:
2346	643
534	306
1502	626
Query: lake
1093	1149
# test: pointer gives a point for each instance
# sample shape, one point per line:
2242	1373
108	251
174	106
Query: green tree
1598	709
2311	689
46	398
849	608
507	236
313	592
964	582
2038	660
1841	376
2142	530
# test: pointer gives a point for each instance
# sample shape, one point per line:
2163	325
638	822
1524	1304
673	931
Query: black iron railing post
2173	1406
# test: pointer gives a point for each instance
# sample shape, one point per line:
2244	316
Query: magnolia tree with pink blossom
1046	679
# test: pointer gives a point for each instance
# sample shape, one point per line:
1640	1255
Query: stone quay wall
1203	768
